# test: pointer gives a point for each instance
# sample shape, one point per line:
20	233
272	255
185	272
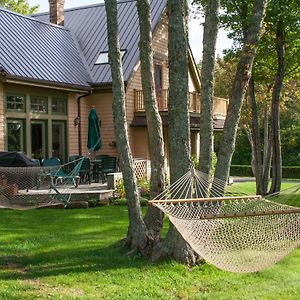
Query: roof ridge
32	19
83	7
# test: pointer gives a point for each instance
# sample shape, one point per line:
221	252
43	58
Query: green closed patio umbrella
94	138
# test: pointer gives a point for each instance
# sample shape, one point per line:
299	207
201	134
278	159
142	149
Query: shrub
245	170
241	170
196	161
291	172
144	187
93	202
120	189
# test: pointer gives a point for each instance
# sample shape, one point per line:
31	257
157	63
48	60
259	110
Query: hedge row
246	171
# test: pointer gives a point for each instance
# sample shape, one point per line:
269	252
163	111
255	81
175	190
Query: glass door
59	140
15	135
38	139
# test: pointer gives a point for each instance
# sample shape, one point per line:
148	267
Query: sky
195	27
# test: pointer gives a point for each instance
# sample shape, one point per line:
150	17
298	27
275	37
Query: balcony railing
162	101
220	104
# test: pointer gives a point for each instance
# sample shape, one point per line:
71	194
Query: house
51	75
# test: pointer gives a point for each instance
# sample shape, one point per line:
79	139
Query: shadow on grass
66	261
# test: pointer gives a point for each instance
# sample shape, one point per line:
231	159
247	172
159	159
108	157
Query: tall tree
137	233
274	63
207	85
154	216
179	126
19	6
240	85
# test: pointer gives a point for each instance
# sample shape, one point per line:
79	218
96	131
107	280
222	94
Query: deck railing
220	104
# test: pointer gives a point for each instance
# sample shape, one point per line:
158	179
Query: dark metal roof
34	50
89	26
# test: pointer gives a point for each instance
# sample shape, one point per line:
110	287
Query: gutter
77	121
44	83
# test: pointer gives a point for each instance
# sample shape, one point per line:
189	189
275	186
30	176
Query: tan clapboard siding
160	38
192	86
72	130
220	106
138	137
140	143
85	109
2	137
160	49
103	105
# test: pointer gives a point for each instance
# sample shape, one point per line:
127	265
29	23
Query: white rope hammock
237	233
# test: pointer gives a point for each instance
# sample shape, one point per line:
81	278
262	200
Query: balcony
220	104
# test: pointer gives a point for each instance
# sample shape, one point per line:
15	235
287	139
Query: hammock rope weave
237	233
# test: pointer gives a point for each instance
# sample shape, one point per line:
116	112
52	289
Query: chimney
57	11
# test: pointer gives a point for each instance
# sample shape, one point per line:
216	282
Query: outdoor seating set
79	169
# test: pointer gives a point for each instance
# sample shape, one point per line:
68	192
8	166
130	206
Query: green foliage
19	6
196	161
224	76
288	172
242	154
143	185
241	170
119	201
120	189
123	201
93	202
292	172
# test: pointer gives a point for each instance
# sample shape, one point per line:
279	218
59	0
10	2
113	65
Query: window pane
103	57
59	106
15	103
158	77
59	140
15	138
39	104
38	139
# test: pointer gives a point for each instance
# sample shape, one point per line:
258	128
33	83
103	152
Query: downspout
78	121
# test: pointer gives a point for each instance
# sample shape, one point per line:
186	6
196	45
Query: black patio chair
85	171
109	165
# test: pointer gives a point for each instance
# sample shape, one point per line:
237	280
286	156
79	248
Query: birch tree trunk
154	216
238	90
207	86
179	126
137	233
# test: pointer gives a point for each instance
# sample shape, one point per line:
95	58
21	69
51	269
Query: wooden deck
97	191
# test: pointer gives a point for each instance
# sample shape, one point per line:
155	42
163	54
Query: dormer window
103	57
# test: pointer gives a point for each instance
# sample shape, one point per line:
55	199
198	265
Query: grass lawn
75	254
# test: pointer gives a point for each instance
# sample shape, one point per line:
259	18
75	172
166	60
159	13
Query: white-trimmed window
39	104
15	103
59	106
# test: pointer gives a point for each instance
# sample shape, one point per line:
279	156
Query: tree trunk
137	237
207	86
275	120
238	90
255	137
154	216
179	130
267	155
